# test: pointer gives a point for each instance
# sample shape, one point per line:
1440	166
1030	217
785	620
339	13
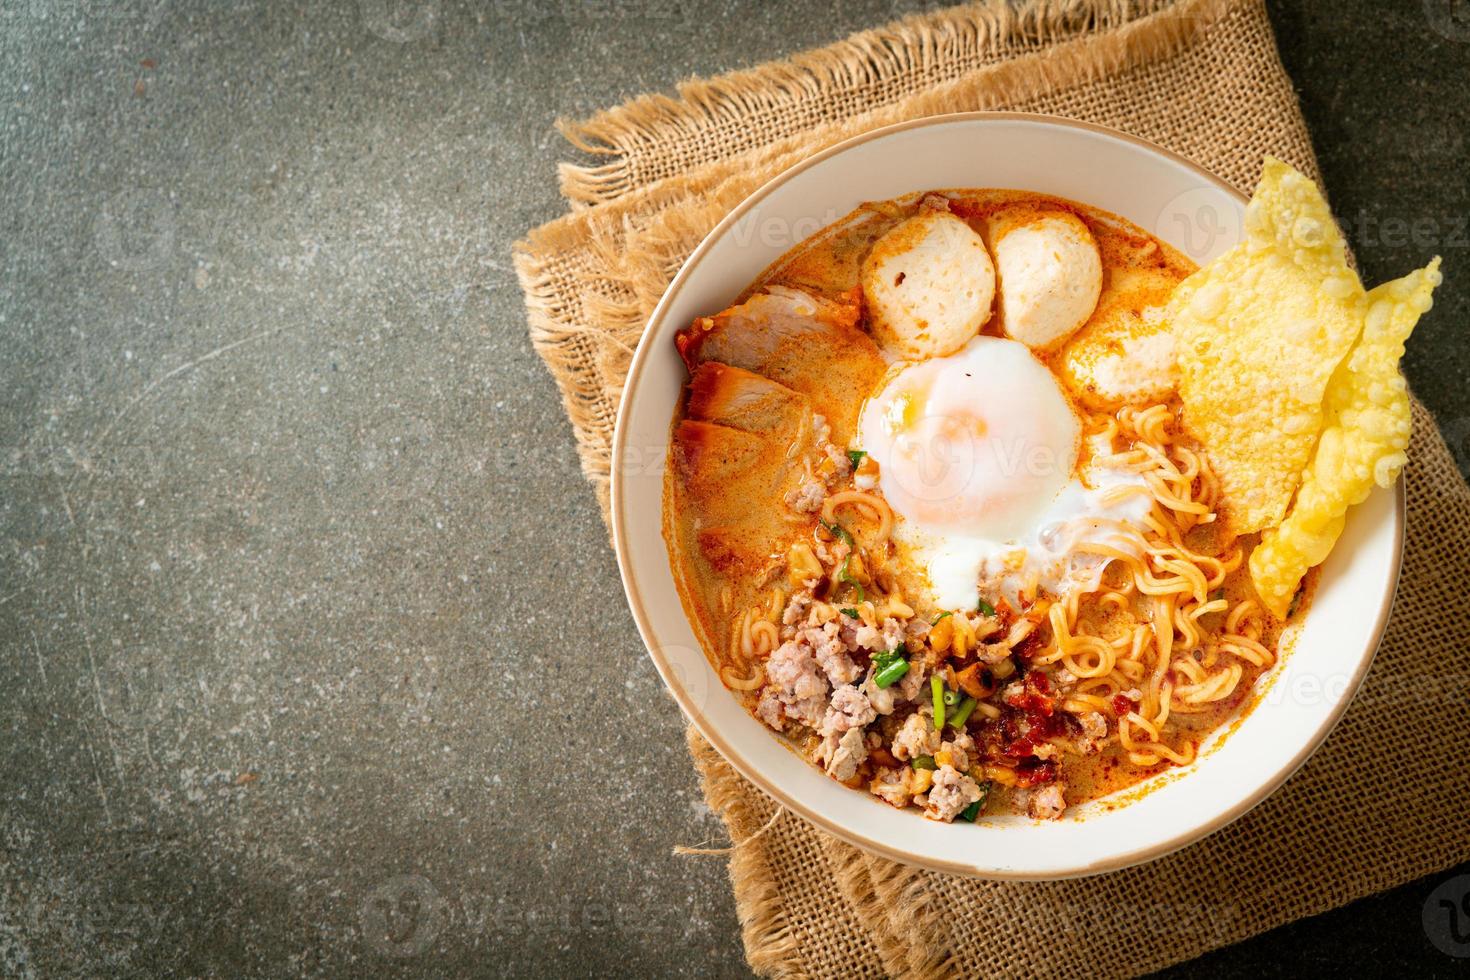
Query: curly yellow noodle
1120	493
1186	627
1172	501
1021	629
1248	609
1191	669
1199	587
734	681
1078	703
747	645
874	508
1214	687
1090	662
1148	629
767	637
737	631
1248	649
1192	467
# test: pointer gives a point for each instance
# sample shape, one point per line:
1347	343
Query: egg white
978	457
1045	558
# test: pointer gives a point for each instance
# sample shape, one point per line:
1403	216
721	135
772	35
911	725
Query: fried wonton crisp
1364	442
1260	331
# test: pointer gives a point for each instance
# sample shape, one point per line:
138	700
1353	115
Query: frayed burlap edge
1438	506
667	217
885	64
621	254
897	903
772	941
764	927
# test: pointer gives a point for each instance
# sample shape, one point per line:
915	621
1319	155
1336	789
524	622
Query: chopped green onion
889	668
891	674
1218	593
855	456
842	534
1296	601
951	698
838	531
972	811
961	713
941	616
936	687
924	762
986	607
852	613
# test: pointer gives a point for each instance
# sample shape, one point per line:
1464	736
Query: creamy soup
934	518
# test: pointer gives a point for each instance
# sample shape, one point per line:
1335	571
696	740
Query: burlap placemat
1384	801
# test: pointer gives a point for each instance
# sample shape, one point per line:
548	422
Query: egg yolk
976	442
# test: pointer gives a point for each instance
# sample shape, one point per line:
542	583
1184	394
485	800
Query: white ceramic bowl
1299	701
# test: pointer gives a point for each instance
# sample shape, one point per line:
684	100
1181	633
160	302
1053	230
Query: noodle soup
933	516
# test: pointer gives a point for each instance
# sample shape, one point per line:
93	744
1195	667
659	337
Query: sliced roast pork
806	343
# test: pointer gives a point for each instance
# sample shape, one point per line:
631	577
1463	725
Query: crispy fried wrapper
1260	331
1364	443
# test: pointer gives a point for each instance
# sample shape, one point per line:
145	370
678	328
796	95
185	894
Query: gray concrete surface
314	659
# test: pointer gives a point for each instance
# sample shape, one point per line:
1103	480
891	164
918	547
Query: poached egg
978	456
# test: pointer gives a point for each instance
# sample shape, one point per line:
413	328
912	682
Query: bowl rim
1174	841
